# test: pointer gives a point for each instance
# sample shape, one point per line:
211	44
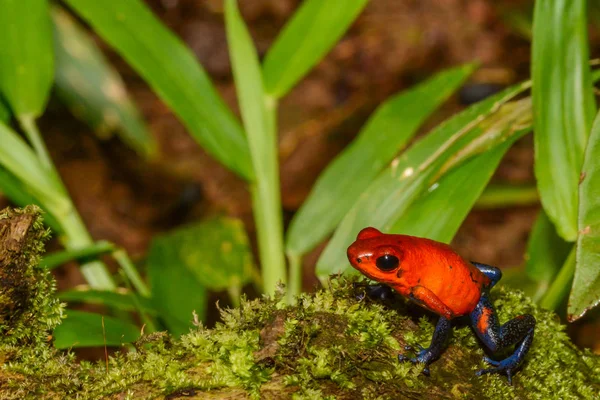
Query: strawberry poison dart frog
432	275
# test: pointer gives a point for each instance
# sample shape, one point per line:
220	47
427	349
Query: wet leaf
92	89
564	106
84	329
390	128
172	70
314	29
585	293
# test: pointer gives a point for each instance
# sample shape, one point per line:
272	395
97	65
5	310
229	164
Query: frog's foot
374	292
423	356
507	366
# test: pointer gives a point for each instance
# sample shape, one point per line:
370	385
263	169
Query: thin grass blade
259	121
313	30
59	258
121	300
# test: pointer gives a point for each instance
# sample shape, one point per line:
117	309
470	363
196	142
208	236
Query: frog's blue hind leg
491	272
433	352
518	330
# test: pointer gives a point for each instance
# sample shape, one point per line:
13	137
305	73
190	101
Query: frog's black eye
387	262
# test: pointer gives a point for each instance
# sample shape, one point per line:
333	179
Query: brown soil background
393	45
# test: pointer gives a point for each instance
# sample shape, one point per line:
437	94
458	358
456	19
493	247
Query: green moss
328	345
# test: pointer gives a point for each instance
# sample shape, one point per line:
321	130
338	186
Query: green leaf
19	194
214	254
390	128
564	106
313	30
439	211
121	300
59	258
26	56
83	329
546	253
92	89
586	285
18	159
471	132
171	69
500	195
4	112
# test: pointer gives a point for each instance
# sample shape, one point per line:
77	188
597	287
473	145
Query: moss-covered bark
328	345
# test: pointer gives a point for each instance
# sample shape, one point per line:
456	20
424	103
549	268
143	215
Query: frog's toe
490	361
500	369
411	348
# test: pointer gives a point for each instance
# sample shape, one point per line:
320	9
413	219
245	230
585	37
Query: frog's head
377	255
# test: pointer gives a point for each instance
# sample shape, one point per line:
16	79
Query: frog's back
437	267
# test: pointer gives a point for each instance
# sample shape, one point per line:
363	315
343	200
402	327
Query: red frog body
434	276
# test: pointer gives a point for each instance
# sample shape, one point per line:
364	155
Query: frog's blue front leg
433	352
517	331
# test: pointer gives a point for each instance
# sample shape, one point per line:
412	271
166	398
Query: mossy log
328	345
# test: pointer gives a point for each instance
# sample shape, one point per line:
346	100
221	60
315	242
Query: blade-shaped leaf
586	285
439	211
84	329
392	125
19	194
472	131
313	30
57	259
564	106
172	71
19	160
546	253
176	291
120	300
259	121
214	254
92	89
26	56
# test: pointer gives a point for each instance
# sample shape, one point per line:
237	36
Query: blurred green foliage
426	190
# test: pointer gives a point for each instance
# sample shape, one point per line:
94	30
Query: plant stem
560	286
131	272
149	322
295	286
77	237
33	134
266	201
499	196
75	233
